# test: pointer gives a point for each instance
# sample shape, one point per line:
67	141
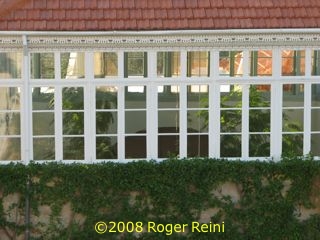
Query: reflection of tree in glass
104	147
259	121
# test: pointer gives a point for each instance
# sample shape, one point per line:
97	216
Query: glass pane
293	95
73	148
198	121
168	146
106	147
315	144
259	120
293	62
135	147
230	145
230	120
292	144
10	149
73	123
292	120
231	98
315	63
43	149
197	146
197	96
135	122
261	63
315	120
42	65
106	97
315	95
168	96
135	64
43	123
72	65
106	122
260	95
168	121
105	64
10	65
198	63
72	98
259	145
9	123
135	97
230	63
43	98
168	64
9	98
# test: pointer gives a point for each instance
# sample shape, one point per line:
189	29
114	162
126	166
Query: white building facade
122	96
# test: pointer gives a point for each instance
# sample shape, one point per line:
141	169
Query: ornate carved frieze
165	39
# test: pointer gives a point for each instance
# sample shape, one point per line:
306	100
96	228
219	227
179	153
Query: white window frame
214	81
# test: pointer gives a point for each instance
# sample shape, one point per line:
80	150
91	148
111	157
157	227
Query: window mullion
152	108
214	107
121	123
307	119
245	122
89	110
276	107
183	107
308	62
58	109
26	108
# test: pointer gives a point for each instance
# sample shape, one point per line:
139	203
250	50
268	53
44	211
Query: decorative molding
198	39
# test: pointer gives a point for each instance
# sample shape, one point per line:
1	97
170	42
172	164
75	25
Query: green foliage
172	191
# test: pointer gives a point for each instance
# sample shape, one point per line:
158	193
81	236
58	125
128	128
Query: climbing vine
254	200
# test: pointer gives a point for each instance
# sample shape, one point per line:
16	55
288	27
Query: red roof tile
109	15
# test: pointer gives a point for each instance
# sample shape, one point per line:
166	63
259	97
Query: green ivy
168	192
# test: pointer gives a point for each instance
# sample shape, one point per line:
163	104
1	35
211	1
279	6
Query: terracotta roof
112	15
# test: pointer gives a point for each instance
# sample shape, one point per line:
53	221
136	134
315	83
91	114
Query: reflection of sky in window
138	89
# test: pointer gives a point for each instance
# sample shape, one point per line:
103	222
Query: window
72	65
105	64
135	122
293	62
198	119
43	123
87	106
261	63
10	138
10	65
231	63
135	64
231	121
106	122
168	121
292	119
315	120
168	64
73	123
259	120
198	64
315	63
42	66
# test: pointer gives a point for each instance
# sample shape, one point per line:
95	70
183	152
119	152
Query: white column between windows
307	104
121	114
58	109
276	107
214	107
183	108
25	108
307	119
89	111
152	108
245	122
